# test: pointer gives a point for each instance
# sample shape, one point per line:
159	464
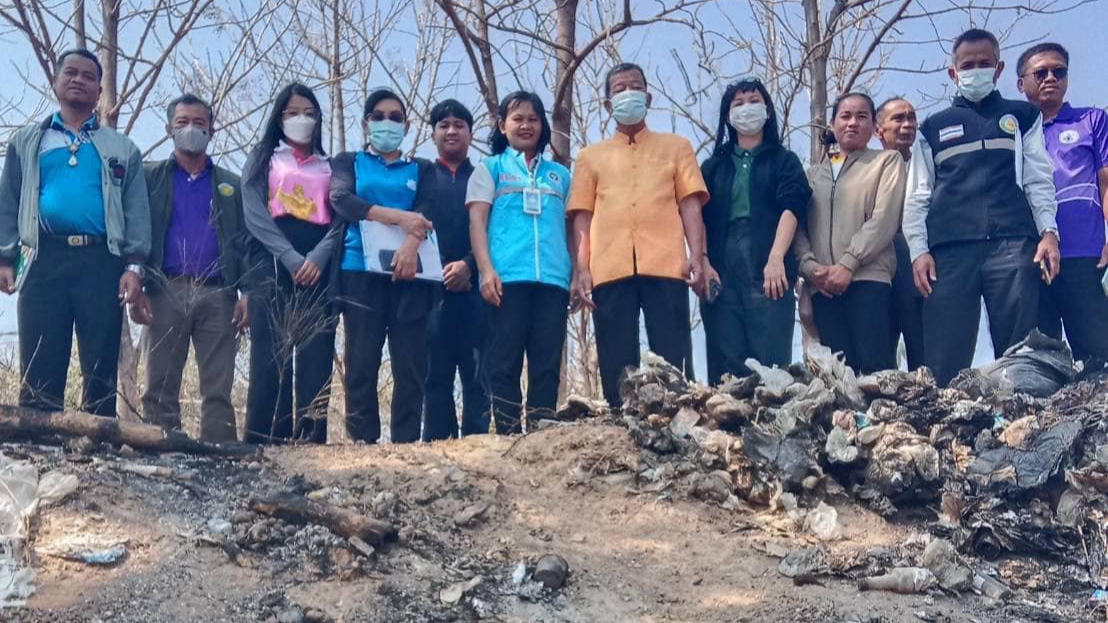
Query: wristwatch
1052	230
138	269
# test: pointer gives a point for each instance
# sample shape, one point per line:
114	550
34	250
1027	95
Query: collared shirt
191	241
389	184
299	188
524	246
740	187
633	189
1077	140
71	194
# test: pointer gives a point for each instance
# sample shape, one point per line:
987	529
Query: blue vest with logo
529	247
392	185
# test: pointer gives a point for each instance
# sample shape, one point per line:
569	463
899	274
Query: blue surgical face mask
385	136
629	107
976	84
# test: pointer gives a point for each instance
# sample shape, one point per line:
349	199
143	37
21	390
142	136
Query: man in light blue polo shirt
74	233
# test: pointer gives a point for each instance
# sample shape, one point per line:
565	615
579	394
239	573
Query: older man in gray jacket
74	233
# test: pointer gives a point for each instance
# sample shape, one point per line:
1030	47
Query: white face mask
748	119
976	84
298	129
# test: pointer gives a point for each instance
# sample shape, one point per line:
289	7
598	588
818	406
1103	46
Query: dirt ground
635	555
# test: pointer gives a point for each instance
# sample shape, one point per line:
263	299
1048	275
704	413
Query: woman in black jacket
759	194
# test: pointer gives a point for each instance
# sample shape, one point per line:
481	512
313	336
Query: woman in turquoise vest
517	209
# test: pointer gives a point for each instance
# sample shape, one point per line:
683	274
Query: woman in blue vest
380	184
516	200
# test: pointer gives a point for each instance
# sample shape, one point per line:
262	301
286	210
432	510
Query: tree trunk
817	73
79	35
562	119
338	116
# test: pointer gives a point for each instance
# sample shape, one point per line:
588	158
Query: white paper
379	239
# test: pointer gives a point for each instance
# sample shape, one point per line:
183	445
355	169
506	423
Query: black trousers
664	304
1001	271
531	321
907	319
374	308
1075	299
67	289
856	323
292	348
455	334
743	322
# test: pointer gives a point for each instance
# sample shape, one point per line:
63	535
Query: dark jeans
531	321
665	306
1004	273
1077	300
856	323
70	288
743	322
292	347
455	334
374	308
907	319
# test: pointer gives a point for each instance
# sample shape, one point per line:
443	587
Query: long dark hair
498	141
273	134
726	136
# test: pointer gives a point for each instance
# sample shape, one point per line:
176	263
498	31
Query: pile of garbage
1011	459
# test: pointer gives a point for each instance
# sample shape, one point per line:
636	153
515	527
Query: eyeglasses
310	113
395	116
1059	73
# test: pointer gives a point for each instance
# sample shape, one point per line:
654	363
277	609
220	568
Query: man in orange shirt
635	202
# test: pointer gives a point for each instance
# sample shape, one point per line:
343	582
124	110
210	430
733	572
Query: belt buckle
75	241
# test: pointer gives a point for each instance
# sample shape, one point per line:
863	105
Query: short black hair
498	141
881	109
618	69
83	53
973	35
188	99
1049	46
379	95
843	98
451	108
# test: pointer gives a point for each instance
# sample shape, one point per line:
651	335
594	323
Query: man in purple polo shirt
195	273
1077	139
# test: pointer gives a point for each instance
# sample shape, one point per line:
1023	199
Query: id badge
532	201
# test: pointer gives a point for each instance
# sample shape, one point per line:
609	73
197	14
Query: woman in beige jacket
846	251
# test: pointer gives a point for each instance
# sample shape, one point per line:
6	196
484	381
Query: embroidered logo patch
951	132
226	189
1009	124
554	177
411	184
1069	137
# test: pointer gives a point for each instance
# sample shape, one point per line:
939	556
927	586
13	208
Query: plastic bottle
905	580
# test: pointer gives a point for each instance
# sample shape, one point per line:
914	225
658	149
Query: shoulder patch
1069	137
1009	124
951	132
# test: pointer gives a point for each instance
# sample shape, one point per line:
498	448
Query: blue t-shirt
71	195
390	185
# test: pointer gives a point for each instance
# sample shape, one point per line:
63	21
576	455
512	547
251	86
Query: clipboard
380	242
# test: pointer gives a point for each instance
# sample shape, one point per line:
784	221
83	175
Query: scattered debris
551	570
453	594
98	558
906	580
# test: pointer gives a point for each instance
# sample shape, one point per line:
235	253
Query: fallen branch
19	422
300	510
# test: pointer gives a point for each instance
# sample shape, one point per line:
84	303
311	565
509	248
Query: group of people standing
903	240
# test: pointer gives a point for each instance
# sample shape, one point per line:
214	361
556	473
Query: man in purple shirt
195	273
1077	139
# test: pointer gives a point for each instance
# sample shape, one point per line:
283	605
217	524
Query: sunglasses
1059	73
398	117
